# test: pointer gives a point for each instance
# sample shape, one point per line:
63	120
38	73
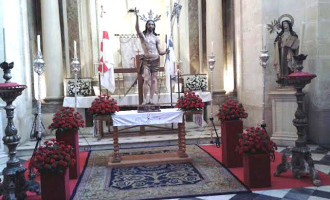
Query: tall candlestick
38	42
212	47
302	37
4	44
75	49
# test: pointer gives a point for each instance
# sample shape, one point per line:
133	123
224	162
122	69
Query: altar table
130	99
133	118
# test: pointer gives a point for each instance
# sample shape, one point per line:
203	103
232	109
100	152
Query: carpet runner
286	180
205	176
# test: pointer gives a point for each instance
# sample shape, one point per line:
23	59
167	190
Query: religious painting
195	82
84	87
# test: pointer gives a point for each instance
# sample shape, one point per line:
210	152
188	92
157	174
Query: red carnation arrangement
53	157
255	140
189	102
103	105
67	119
231	110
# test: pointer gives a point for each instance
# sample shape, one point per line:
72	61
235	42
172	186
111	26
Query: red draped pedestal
256	170
55	186
70	137
229	137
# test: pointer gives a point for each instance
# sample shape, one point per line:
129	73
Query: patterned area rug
205	176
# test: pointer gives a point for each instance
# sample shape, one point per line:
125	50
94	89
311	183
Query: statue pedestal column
283	109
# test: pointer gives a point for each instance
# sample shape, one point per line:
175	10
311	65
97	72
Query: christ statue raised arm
150	61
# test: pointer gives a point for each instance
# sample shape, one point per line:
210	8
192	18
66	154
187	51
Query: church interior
235	105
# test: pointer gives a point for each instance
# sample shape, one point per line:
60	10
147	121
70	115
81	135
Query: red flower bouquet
255	140
67	119
53	157
103	105
190	102
231	110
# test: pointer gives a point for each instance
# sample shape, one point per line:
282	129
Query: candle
302	37
38	43
75	48
264	37
212	47
4	44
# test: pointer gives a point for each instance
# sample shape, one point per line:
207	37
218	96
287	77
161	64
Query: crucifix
102	11
138	52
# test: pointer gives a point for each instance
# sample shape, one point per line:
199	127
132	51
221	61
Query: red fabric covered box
256	170
229	138
70	137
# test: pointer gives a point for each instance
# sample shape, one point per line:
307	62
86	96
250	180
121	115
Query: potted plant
257	149
66	122
102	108
230	114
52	161
190	102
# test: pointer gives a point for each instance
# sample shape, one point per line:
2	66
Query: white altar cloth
133	118
131	99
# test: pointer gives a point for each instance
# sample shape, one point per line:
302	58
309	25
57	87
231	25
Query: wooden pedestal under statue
148	108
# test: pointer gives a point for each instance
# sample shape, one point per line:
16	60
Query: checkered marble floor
321	159
201	136
308	193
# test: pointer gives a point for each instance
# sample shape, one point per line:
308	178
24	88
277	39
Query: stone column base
284	106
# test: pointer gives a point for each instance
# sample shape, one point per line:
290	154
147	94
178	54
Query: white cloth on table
133	118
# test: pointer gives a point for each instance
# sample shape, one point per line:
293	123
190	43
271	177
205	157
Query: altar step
132	138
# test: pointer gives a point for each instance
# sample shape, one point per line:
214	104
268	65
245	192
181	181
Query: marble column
52	49
85	37
193	19
214	34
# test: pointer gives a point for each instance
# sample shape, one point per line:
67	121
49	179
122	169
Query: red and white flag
107	64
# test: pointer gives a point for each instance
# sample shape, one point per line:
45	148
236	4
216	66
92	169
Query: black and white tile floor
321	159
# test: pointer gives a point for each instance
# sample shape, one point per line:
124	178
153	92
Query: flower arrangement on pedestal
103	105
54	157
52	162
230	113
190	102
67	119
66	122
255	140
231	110
257	150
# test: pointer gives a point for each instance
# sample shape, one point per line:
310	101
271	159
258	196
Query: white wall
17	51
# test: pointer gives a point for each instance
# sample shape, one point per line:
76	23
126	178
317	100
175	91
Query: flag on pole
107	64
169	58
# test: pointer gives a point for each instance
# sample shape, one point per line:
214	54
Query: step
129	140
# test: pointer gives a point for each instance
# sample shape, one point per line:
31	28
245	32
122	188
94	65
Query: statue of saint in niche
286	45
